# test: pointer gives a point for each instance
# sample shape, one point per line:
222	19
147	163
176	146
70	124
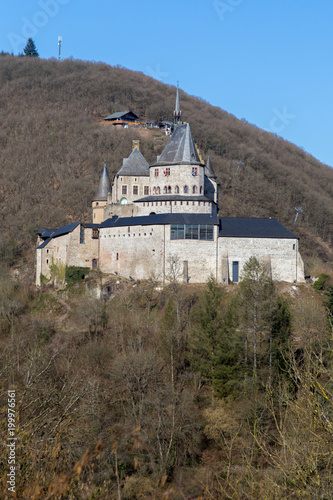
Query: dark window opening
81	234
192	232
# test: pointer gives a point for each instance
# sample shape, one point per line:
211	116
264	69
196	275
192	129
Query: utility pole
59	43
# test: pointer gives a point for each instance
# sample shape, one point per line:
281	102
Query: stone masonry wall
286	262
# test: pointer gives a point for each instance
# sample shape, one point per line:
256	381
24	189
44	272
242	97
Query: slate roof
209	169
57	232
120	114
177	108
45	233
104	186
173	197
135	164
234	227
160	219
49	234
181	149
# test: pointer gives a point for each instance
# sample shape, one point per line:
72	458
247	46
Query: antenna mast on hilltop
59	43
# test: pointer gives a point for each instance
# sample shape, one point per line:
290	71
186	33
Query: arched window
194	190
165	189
154	190
158	190
200	189
177	190
169	189
185	189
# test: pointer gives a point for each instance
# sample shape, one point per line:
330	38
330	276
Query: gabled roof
121	115
135	164
160	219
45	233
209	169
181	149
233	227
57	232
49	234
104	186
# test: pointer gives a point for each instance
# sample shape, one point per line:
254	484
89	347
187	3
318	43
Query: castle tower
101	197
177	112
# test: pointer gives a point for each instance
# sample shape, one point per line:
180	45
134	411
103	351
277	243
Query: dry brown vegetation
52	151
122	398
146	393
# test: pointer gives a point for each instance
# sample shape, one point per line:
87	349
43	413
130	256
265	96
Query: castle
162	221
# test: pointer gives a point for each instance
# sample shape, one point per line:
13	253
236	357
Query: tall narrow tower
177	112
100	199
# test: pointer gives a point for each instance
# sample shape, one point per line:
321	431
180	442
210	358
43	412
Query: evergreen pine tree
213	350
30	49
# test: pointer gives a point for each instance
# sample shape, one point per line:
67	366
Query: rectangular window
95	234
192	232
167	171
177	231
146	190
235	271
135	189
124	190
194	171
156	172
81	234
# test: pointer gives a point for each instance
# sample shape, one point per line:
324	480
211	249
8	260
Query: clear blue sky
267	61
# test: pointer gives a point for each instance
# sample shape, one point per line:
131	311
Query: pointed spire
104	185
135	164
209	169
180	149
177	112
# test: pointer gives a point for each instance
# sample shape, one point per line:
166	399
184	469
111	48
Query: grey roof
135	164
58	232
120	114
180	149
45	233
161	219
209	169
173	197
54	233
177	108
104	186
233	227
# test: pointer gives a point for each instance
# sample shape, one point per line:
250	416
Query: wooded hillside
52	150
190	391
